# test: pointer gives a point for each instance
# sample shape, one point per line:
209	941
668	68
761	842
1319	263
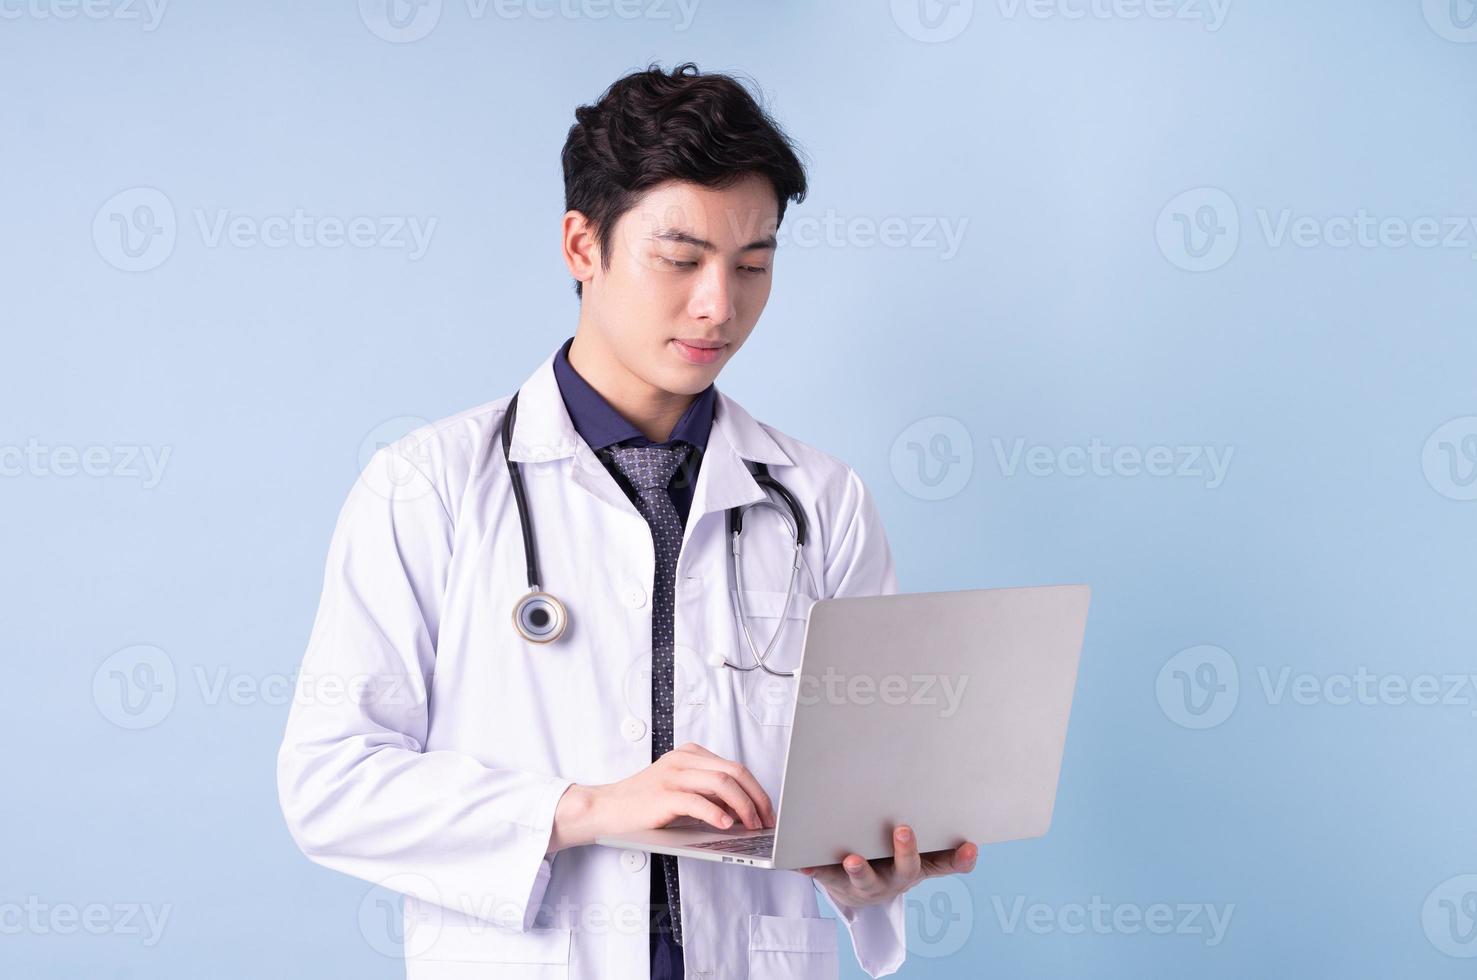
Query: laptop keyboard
763	844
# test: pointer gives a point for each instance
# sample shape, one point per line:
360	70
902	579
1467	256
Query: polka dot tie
649	470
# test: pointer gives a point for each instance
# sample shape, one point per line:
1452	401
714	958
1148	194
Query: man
474	768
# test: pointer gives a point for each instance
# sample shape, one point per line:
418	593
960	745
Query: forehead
729	217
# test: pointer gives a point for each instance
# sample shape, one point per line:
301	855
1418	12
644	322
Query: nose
712	298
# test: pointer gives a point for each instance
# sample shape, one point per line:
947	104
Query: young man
476	760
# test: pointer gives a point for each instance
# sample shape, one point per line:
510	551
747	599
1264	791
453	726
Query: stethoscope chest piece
540	617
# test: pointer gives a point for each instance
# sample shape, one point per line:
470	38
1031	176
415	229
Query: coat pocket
459	952
768	699
792	948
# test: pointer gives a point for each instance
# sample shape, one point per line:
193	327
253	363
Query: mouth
699	351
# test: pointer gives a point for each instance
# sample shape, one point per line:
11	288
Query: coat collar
543	431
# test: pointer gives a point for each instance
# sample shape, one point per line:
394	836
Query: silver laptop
967	746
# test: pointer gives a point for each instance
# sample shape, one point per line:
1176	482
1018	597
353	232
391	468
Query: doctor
471	767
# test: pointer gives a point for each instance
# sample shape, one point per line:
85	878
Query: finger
960	860
704	809
740	773
724	788
701	758
906	863
831	876
860	874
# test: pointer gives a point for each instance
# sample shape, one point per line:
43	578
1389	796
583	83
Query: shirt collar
600	425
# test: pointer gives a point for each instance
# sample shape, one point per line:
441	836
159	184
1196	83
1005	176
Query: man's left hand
857	882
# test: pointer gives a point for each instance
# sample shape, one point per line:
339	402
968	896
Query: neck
650	409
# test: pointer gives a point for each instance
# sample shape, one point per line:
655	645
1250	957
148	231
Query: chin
686	379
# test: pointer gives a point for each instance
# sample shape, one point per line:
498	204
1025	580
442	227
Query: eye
757	270
675	263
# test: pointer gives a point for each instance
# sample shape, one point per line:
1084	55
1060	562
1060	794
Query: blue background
1333	544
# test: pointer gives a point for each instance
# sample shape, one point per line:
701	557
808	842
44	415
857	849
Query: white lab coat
429	743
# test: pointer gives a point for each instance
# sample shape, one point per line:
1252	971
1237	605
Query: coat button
634	596
633	728
633	861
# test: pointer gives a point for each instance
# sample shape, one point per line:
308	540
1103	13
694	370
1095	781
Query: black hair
651	126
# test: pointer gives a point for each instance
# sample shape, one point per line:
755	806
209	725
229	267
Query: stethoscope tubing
794	521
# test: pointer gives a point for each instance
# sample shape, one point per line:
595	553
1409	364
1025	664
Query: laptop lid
943	710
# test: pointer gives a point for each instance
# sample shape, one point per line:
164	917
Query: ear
581	246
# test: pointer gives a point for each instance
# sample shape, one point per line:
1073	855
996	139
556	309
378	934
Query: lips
699	351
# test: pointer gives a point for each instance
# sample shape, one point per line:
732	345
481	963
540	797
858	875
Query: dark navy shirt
600	426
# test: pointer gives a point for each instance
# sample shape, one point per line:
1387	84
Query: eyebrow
683	238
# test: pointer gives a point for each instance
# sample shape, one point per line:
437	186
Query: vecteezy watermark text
1200	686
937	21
1205	463
1200	230
1210	13
137	687
930	233
405	21
34	459
148	13
136	229
36	917
1104	918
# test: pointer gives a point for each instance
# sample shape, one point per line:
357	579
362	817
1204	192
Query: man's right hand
688	781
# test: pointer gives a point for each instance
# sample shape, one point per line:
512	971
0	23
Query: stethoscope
540	617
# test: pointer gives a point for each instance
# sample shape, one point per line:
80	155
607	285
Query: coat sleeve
359	792
859	562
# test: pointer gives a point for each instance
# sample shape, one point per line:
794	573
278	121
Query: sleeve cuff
542	831
879	933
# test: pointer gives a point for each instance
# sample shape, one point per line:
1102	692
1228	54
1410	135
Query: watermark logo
940	917
932	459
1199	229
400	21
139	686
690	679
1198	687
1449	459
135	687
396	931
401	472
1449	916
134	230
932	21
1454	20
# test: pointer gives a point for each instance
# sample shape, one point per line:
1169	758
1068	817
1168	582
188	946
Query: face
690	272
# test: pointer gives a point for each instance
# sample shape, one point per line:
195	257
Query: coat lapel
543	433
